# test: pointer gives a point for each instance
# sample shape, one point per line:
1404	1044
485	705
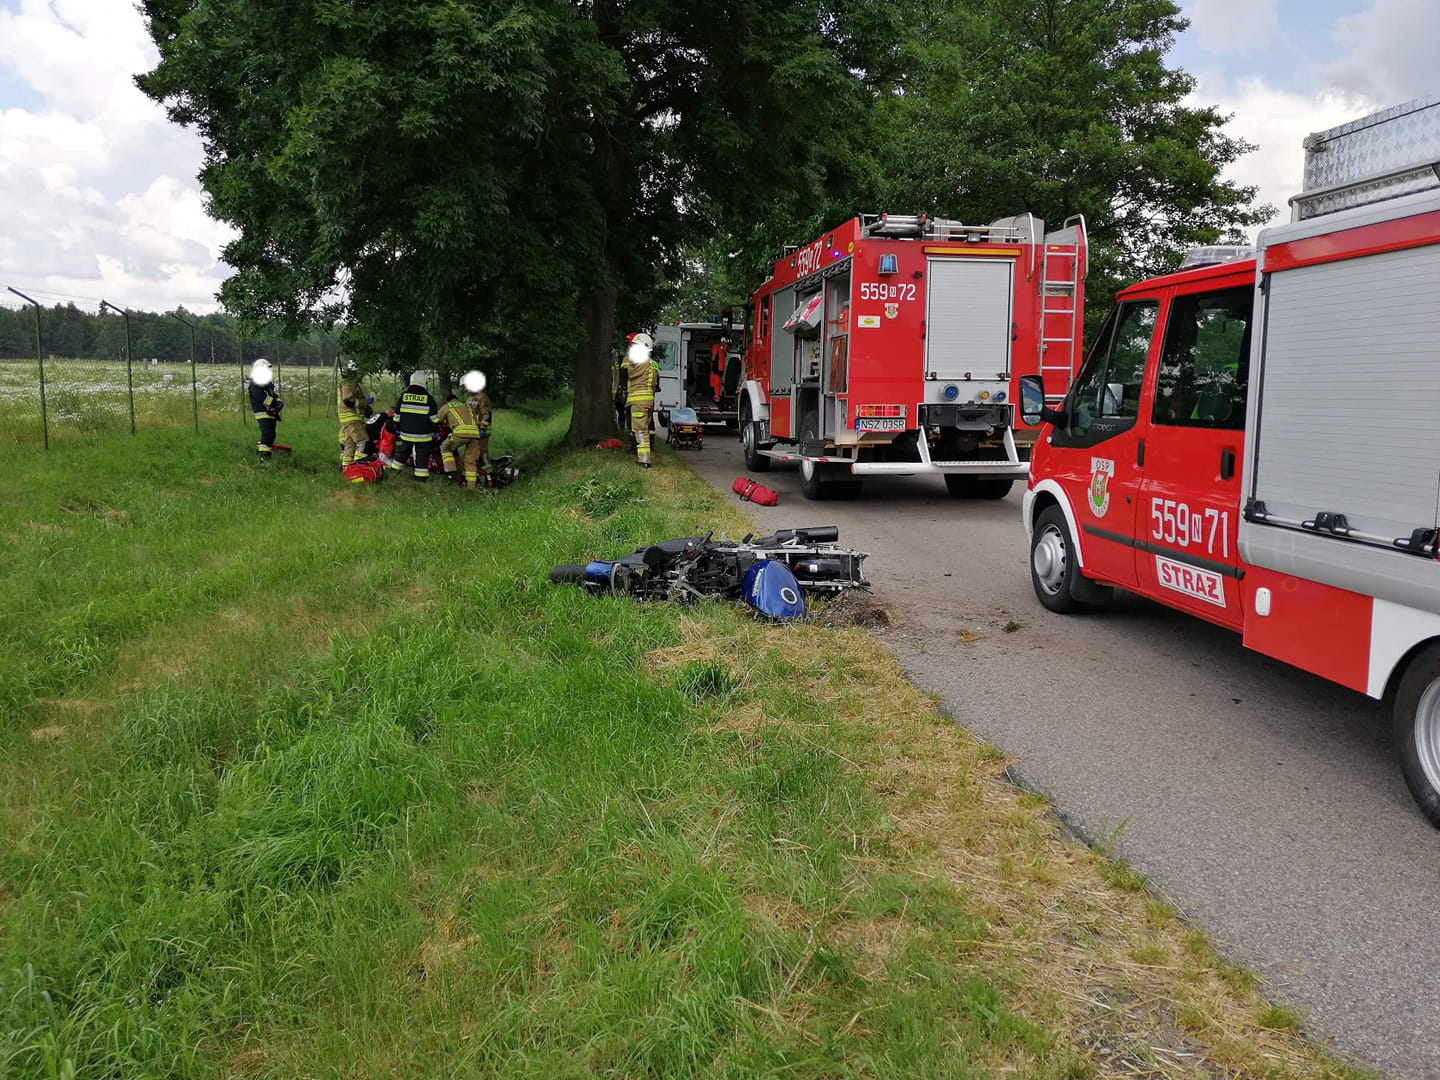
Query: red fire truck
892	344
1256	441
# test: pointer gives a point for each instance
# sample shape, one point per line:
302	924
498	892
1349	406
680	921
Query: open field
306	779
85	398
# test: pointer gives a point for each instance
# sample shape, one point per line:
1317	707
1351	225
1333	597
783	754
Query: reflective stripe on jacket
350	391
262	401
644	379
460	420
418	414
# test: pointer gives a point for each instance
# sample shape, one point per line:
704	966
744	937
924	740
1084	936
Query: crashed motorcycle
772	574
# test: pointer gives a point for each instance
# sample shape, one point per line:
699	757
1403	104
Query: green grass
308	779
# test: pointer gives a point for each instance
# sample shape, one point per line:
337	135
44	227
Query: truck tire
755	461
1417	729
977	487
1054	569
821	481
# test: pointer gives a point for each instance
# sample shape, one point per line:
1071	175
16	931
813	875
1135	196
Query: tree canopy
514	182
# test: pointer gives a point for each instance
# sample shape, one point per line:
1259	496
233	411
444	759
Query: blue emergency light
889	263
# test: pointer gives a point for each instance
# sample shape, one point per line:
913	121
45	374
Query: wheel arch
1391	682
1049	493
759	408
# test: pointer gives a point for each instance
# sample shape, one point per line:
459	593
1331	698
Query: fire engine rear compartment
1342	473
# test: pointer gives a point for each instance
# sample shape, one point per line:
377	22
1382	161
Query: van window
1205	365
1109	385
664	355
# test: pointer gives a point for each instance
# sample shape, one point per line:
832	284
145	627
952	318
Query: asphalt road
1262	801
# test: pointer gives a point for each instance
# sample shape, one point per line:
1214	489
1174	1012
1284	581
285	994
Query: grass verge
304	779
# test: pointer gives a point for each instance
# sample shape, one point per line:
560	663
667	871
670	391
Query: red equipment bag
364	472
609	444
754	491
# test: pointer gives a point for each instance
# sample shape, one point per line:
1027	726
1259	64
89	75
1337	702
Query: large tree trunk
592	418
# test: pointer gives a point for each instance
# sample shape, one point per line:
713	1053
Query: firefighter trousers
640	418
416	453
466	453
267	437
352	441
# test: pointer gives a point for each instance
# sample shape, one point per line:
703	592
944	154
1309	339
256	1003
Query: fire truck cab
892	345
1255	439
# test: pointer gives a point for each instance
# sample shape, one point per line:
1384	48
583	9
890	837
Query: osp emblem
1101	470
892	311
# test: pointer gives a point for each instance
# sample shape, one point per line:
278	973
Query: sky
98	195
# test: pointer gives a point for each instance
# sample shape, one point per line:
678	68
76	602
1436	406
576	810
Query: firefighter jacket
459	419
480	406
263	402
418	414
350	402
644	379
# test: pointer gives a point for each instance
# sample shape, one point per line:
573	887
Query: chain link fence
79	369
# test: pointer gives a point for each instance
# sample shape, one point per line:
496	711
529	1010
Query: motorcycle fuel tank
771	589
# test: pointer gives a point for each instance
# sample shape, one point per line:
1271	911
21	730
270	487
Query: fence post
194	392
309	392
129	363
244	401
40	364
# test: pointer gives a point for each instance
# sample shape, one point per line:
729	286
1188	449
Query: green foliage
989	108
487	181
1061	107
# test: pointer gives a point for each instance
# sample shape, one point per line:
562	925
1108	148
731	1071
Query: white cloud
1233	26
1276	121
99	187
1387	51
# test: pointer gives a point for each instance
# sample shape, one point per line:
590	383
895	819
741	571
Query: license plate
879	423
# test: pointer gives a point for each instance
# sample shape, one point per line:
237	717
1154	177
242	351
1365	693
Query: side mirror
1032	403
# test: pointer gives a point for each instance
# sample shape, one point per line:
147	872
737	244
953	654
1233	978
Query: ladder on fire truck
1061	271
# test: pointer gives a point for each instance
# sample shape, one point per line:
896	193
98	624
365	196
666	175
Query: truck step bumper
920	468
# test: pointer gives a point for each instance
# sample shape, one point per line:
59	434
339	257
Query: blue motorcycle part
598	573
771	589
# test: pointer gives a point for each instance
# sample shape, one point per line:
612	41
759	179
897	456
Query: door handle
1139	453
1227	463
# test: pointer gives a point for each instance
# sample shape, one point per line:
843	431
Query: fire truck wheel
819	481
750	441
1417	729
977	487
1054	570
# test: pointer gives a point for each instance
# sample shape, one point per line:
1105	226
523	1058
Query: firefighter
718	354
462	447
642	379
479	401
353	411
265	404
419	416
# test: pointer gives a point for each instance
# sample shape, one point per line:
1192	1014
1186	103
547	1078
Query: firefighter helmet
417	378
640	346
473	381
